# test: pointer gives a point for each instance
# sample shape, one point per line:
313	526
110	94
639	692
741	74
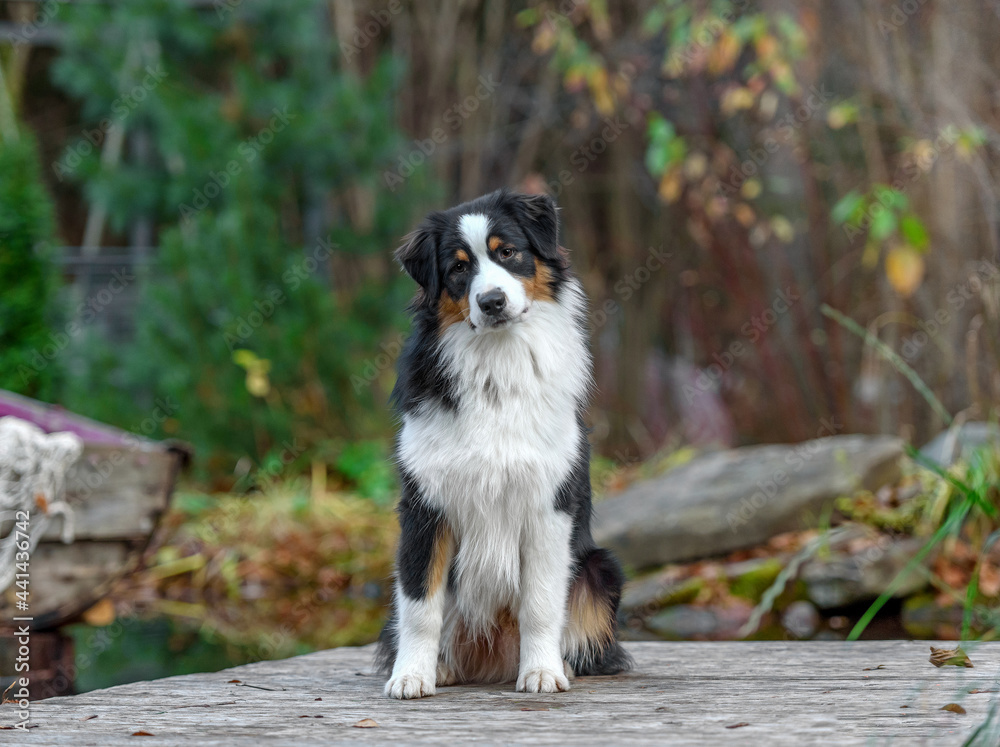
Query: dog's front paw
409	686
542	680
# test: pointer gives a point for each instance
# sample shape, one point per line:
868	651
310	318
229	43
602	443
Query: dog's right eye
459	268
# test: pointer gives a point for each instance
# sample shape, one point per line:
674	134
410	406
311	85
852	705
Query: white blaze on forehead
475	229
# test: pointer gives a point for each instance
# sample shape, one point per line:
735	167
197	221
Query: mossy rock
752	583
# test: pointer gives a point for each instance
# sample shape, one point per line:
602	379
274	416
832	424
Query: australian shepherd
498	578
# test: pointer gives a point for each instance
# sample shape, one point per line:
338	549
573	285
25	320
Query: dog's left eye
459	268
506	253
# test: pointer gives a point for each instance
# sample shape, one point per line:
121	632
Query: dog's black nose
492	302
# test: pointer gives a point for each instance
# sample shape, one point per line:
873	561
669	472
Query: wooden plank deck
785	693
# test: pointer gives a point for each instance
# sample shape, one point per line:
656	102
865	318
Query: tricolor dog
498	578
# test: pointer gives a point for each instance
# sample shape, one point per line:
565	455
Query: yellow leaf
905	269
735	99
750	189
744	214
101	614
695	166
545	39
782	228
767	47
601	91
671	185
257	383
723	53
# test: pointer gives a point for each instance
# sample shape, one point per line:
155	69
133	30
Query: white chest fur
494	464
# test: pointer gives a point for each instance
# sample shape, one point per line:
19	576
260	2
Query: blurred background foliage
723	167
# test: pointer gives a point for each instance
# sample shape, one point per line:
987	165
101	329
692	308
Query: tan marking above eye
462	255
495	242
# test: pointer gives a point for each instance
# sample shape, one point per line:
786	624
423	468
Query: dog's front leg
425	548
545	569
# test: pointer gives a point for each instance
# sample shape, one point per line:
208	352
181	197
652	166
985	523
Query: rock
842	577
739	498
924	617
801	619
685	622
953	444
659	589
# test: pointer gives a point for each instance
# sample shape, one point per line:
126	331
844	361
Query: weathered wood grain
118	493
681	693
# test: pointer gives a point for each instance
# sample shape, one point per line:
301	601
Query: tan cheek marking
440	560
451	311
494	243
539	288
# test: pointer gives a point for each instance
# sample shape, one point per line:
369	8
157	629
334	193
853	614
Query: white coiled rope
33	467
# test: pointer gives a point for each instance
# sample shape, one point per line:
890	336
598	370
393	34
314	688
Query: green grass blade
955	519
890	355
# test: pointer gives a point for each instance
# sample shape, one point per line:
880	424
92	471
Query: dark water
130	650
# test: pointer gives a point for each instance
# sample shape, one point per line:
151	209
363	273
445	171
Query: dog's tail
590	644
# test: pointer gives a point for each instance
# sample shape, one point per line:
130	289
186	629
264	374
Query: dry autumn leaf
366	723
142	734
101	614
904	267
954	708
949	657
739	725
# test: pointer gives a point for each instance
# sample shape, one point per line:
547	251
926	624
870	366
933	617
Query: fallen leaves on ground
365	723
954	657
142	734
739	725
954	708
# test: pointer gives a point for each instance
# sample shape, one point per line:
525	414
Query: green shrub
259	334
29	362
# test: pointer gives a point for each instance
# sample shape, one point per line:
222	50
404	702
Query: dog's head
486	262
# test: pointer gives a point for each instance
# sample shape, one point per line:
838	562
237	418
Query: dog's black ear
537	217
419	257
